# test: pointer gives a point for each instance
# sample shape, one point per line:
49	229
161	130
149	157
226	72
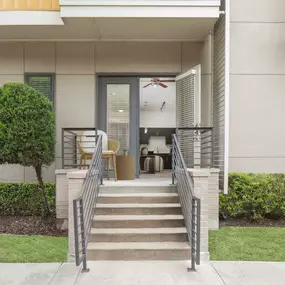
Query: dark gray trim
134	109
137	74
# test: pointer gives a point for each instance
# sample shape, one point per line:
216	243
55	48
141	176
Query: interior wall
75	66
257	84
151	100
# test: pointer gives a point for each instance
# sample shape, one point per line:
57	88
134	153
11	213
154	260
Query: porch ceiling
114	29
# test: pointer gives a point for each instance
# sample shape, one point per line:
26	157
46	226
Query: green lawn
32	248
248	244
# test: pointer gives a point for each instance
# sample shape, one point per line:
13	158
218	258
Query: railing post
101	174
173	162
213	149
193	252
101	163
75	218
83	238
62	148
195	233
198	231
75	150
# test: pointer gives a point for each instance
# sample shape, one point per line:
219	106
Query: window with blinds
185	102
43	83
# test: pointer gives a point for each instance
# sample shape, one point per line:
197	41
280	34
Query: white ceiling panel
114	29
154	29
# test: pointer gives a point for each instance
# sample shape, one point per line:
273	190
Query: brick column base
206	188
75	180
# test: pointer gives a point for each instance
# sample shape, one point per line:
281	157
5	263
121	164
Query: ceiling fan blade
147	85
163	85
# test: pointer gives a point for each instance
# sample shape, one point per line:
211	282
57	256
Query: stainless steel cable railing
191	206
84	206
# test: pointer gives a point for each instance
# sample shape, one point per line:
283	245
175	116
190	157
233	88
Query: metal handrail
197	146
84	205
191	205
70	146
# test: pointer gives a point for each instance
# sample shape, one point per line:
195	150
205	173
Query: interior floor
166	173
153	181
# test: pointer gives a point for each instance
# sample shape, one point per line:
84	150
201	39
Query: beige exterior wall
257	79
75	66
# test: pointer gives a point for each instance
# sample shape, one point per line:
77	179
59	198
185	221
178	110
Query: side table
125	167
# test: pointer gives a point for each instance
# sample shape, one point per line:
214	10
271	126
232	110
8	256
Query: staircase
138	223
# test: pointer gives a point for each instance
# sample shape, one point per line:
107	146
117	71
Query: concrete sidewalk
144	273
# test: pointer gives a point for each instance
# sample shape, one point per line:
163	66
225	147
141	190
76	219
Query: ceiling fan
157	82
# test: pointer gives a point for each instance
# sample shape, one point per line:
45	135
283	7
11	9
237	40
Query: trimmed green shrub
255	196
27	130
24	199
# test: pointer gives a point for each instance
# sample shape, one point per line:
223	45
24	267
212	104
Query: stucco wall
257	78
75	66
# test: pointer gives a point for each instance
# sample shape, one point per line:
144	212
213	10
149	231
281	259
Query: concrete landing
148	273
251	273
143	273
138	186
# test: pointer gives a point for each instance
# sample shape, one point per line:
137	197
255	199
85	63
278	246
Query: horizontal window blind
185	114
219	99
42	83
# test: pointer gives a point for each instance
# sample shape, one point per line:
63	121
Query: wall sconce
145	130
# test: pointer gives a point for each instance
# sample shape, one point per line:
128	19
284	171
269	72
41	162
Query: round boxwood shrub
27	129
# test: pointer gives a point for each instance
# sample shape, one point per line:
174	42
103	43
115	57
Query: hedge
256	196
24	198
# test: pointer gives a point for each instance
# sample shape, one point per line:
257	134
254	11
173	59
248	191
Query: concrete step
137	221
138	209
139	251
143	188
138	235
138	198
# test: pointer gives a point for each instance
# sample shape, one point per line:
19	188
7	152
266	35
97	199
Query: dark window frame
43	74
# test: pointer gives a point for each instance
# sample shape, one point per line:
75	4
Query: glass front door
118	113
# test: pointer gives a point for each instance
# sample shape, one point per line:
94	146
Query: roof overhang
113	20
113	29
140	9
30	18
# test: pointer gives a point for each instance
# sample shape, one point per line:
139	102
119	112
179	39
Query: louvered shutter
42	83
188	113
220	99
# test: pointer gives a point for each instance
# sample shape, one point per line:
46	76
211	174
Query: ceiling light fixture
154	84
113	94
145	130
121	110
